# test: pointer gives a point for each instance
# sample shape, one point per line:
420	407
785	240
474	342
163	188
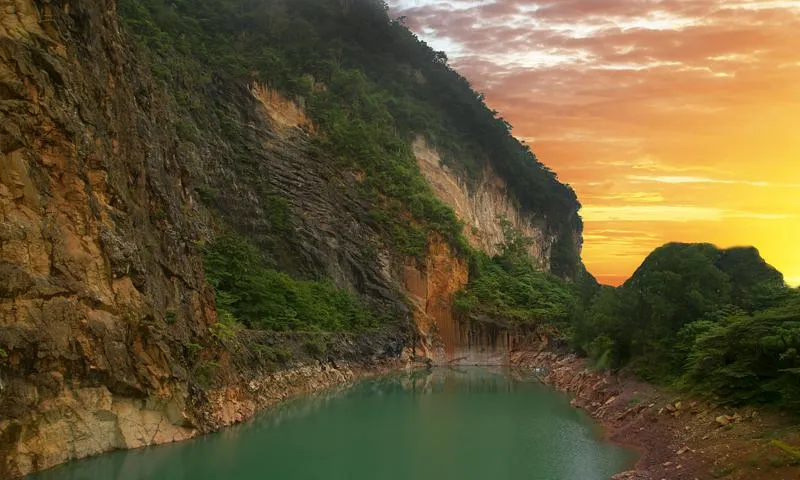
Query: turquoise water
459	423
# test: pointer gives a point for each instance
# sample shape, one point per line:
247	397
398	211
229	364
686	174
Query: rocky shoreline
229	383
675	438
236	403
605	398
221	407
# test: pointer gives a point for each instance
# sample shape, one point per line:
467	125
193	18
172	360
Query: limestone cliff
440	335
111	182
89	266
103	302
431	288
483	206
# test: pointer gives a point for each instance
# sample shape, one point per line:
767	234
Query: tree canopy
723	320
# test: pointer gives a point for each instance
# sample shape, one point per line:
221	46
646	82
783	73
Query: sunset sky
674	120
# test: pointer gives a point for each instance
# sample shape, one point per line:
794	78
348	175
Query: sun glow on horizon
674	122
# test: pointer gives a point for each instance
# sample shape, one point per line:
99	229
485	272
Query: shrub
250	291
315	346
511	290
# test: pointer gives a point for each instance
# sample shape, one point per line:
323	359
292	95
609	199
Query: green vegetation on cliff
511	291
249	291
722	321
692	314
371	86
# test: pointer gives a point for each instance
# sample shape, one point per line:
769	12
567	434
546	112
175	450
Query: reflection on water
460	422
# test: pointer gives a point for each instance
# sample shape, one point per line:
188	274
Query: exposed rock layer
107	191
104	309
431	289
483	206
90	262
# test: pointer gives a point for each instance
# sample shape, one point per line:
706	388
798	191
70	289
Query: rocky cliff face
440	335
107	193
90	259
431	288
103	301
292	200
483	206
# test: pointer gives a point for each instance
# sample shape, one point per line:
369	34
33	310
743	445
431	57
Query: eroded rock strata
104	209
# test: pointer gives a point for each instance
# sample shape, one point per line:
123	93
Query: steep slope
88	268
483	207
373	94
135	138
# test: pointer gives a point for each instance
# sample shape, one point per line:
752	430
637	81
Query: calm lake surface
449	423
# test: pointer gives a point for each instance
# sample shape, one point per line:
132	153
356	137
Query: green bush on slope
251	292
510	290
750	358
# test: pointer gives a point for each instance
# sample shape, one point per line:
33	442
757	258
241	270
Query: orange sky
674	120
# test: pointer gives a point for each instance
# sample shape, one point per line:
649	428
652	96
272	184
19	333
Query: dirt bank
677	437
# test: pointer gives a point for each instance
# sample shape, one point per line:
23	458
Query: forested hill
721	322
371	86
